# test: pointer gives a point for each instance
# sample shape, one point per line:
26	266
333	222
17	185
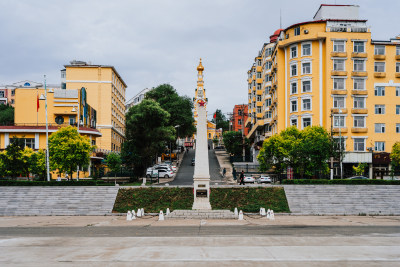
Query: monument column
201	177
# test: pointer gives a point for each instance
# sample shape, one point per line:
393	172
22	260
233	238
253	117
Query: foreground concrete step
59	200
343	199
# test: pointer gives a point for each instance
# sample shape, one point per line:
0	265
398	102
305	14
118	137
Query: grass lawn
154	199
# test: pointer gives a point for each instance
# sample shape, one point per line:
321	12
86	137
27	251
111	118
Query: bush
339	181
51	183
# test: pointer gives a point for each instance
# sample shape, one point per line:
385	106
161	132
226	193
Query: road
185	174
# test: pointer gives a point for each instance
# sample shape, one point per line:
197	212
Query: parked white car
249	179
163	171
264	180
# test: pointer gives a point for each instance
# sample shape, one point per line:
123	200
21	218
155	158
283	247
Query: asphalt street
185	174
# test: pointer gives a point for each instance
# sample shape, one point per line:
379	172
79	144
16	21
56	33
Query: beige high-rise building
106	93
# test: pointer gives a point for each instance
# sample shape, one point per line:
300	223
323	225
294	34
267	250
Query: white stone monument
201	177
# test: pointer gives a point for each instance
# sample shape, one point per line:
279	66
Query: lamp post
44	97
177	157
77	127
340	145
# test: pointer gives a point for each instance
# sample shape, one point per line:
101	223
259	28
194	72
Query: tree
147	132
37	164
220	120
179	107
27	153
233	142
113	162
68	150
360	168
6	114
12	158
395	155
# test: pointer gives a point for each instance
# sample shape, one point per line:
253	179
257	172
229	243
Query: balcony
267	121
397	75
380	57
359	73
359	92
339	92
339	73
359	55
398	57
268	134
259	138
336	111
359	111
341	130
380	74
359	130
338	54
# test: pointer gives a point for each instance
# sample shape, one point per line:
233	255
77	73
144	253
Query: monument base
201	191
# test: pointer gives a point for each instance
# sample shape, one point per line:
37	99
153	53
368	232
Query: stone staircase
57	200
201	214
343	199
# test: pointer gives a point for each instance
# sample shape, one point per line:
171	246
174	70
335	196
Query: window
338	65
28	142
258	109
397	67
339	121
379	67
293	87
379	128
306	104
71	120
379	146
296	31
359	65
293	69
293	51
306	86
258	75
239	121
397	127
379	109
258	86
380	91
258	97
293	122
339	46
306	49
397	109
359	47
12	92
2	94
397	91
306	68
249	96
338	102
267	90
359	102
293	106
268	102
340	142
258	62
397	50
268	114
379	49
339	84
359	144
306	122
359	84
359	121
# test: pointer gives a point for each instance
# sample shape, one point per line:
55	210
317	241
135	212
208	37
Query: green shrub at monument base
339	181
248	199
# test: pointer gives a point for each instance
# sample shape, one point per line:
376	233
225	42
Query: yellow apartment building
106	93
330	72
62	111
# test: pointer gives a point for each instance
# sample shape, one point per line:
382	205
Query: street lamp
78	121
177	157
44	97
340	144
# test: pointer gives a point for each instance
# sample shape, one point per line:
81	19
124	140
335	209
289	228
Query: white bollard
263	212
129	216
241	215
168	212
139	213
144	182
142	212
161	216
268	213
272	215
236	212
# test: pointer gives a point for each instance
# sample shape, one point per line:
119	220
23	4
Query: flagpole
37	107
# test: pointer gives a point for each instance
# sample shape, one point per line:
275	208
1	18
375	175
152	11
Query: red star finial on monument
201	102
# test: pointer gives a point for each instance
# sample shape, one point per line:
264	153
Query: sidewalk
148	220
223	160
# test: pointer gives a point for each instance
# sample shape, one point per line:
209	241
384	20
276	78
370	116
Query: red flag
37	110
215	115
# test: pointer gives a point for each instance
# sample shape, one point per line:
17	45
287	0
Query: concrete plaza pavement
255	241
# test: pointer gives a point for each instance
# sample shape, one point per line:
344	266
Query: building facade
136	99
329	72
106	93
238	119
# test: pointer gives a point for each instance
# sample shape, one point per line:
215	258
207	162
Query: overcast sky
151	42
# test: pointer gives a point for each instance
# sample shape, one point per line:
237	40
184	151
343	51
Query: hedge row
154	199
51	183
339	181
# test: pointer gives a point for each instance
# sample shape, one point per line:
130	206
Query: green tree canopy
12	159
6	114
220	120
395	155
37	164
113	162
180	108
233	142
147	132
68	150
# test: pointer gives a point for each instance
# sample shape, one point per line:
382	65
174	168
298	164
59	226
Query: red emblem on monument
201	102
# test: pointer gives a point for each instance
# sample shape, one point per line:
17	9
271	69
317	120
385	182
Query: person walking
234	174
223	172
242	178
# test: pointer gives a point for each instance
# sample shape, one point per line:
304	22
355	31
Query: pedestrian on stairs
242	178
